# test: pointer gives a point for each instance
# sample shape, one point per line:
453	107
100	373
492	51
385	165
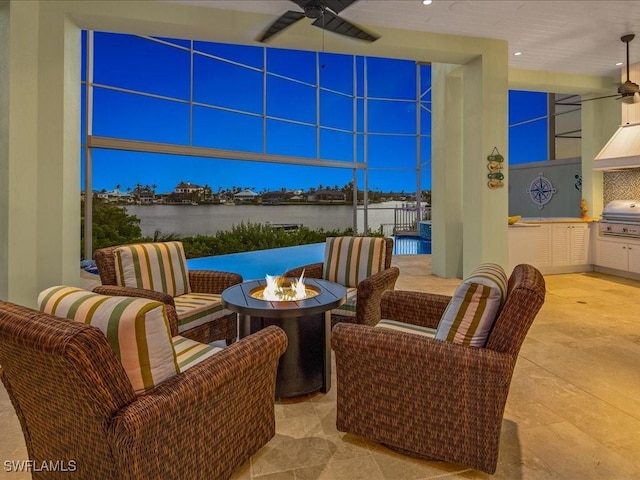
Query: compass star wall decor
541	191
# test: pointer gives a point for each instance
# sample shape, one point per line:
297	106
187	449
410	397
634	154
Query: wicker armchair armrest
118	291
417	308
370	292
210	281
207	420
312	270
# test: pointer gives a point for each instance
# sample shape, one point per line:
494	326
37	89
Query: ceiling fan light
313	10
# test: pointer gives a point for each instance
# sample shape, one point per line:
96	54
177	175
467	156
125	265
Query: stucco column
485	126
39	219
470	119
446	169
600	119
19	156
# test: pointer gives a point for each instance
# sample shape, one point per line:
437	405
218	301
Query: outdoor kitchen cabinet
618	254
543	258
570	244
563	247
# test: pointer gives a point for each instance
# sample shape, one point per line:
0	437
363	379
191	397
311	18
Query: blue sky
227	114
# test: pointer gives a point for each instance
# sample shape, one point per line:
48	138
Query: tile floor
573	410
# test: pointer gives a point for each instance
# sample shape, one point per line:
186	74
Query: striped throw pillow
349	260
136	328
474	307
161	267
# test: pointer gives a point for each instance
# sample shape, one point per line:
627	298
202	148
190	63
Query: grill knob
608	228
624	229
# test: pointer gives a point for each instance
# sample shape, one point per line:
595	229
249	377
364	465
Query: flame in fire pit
280	289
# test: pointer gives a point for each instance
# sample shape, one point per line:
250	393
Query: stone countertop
535	220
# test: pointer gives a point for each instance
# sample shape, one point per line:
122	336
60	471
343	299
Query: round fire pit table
305	366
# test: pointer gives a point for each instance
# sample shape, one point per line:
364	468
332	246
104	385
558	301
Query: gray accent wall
562	175
617	185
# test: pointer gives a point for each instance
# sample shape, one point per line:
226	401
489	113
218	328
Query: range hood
622	150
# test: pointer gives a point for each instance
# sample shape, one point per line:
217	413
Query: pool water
255	265
411	246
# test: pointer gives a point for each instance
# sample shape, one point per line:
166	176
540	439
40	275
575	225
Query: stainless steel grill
621	218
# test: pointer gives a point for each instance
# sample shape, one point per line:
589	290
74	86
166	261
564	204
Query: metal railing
402	220
406	218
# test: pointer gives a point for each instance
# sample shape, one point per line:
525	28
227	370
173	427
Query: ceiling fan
325	13
628	91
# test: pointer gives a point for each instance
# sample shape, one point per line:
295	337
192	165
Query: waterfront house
326	195
187	193
245	196
274	197
145	196
188	188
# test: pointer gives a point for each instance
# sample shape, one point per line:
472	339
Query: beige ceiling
579	37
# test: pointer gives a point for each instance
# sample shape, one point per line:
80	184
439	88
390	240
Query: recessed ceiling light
618	64
518	53
427	2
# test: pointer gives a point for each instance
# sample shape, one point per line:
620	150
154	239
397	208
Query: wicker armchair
430	398
77	406
201	281
363	305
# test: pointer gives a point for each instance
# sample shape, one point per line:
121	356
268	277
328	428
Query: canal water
187	220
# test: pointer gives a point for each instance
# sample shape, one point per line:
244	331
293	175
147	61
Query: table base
305	366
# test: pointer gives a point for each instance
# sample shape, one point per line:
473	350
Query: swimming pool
276	261
411	246
257	264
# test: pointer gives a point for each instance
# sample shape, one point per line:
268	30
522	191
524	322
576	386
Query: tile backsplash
621	185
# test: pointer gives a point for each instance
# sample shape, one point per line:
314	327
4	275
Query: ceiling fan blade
600	98
335	24
287	19
336	6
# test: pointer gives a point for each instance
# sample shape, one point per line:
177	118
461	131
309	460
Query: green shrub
253	236
111	225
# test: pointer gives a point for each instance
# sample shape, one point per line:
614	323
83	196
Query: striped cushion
407	328
348	308
349	260
161	267
190	353
136	328
475	305
195	309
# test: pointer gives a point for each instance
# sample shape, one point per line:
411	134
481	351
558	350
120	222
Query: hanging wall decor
541	191
495	165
